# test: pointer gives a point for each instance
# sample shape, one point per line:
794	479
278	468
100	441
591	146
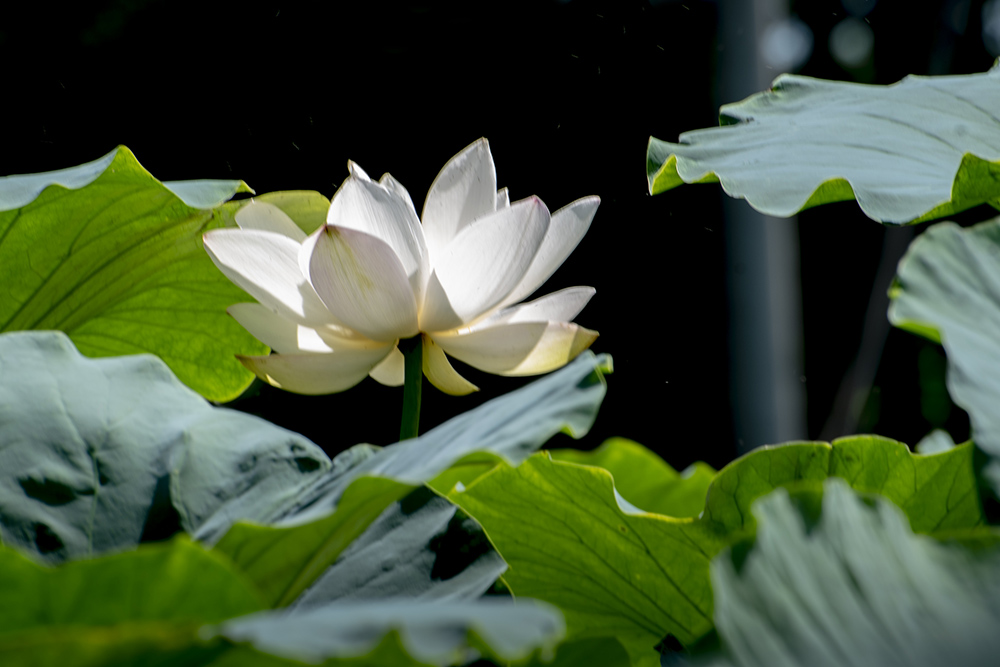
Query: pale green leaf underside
919	149
422	547
432	632
96	452
113	257
286	549
858	588
639	576
948	289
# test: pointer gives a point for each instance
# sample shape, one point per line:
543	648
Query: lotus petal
440	372
464	190
524	348
486	260
316	373
361	281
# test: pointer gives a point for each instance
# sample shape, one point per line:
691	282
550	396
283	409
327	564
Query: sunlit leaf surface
638	576
113	257
646	480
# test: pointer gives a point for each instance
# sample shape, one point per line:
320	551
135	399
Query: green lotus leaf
615	571
98	454
946	289
419	547
139	607
113	257
431	632
646	480
286	549
175	603
853	586
920	149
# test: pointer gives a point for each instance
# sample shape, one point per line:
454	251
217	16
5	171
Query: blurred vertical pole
767	393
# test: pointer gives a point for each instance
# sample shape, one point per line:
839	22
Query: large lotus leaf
113	257
938	492
646	480
433	632
285	551
638	576
176	604
947	288
854	587
922	148
96	452
141	607
422	547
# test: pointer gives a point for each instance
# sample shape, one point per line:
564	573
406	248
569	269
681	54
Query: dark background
282	94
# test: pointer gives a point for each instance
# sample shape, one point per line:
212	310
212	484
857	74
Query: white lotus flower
334	305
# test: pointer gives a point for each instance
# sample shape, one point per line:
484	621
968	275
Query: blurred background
728	330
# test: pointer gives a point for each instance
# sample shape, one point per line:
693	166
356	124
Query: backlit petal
278	333
440	372
316	373
437	313
561	306
287	337
390	183
361	281
525	348
485	261
503	198
392	371
568	226
464	190
383	212
268	218
266	265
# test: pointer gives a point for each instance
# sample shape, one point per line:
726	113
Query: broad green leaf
646	480
947	289
923	148
432	632
856	587
638	576
171	581
176	604
113	257
938	492
139	607
287	549
634	577
97	453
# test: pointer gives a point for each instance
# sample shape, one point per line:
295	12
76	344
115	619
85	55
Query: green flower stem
412	349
